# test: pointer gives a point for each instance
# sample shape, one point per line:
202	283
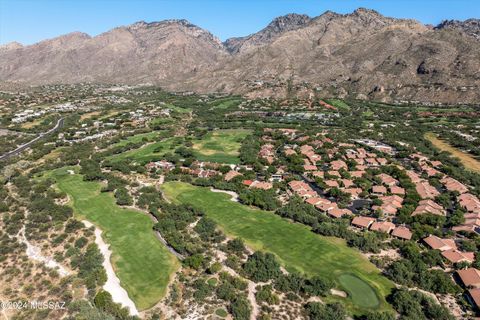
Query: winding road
29	143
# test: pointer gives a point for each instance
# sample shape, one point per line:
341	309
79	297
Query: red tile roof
455	256
402	232
363	222
382	226
470	277
440	244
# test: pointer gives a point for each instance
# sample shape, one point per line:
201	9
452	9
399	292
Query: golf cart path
112	286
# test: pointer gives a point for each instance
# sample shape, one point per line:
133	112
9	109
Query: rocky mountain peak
175	25
274	29
470	26
364	12
11	46
287	22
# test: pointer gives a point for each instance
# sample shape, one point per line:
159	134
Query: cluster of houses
29	114
343	163
391	195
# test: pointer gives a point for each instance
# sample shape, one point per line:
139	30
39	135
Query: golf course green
296	247
143	265
149	152
220	146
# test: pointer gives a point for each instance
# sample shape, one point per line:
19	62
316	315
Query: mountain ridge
362	54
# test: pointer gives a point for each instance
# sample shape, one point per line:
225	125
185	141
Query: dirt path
251	285
113	286
35	254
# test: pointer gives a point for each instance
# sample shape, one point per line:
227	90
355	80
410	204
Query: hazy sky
29	21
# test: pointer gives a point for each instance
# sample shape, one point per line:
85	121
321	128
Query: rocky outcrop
276	28
470	27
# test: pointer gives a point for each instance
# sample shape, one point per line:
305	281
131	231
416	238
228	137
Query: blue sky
29	21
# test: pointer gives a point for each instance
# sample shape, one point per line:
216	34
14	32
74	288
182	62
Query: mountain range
362	55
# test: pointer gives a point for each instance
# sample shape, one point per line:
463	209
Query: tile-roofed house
290	152
455	256
247	182
318	174
388	180
302	189
231	174
469	202
379	190
357	174
347	183
413	176
354	192
325	205
382	226
386	209
363	222
471	223
206	173
402	233
371	161
261	185
338	213
382	161
453	185
474	296
425	190
331	183
305	149
314	158
360	162
470	277
338	164
309	167
437	243
390	205
362	153
313	201
419	157
162	164
429	207
397	190
430	171
334	173
307	193
436	164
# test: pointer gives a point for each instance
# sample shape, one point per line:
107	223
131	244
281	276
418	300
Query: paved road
28	144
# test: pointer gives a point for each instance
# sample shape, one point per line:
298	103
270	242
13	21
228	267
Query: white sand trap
35	253
233	194
119	294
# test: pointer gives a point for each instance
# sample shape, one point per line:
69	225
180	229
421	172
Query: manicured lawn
136	138
220	146
149	152
465	158
225	103
338	103
359	291
143	265
296	247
